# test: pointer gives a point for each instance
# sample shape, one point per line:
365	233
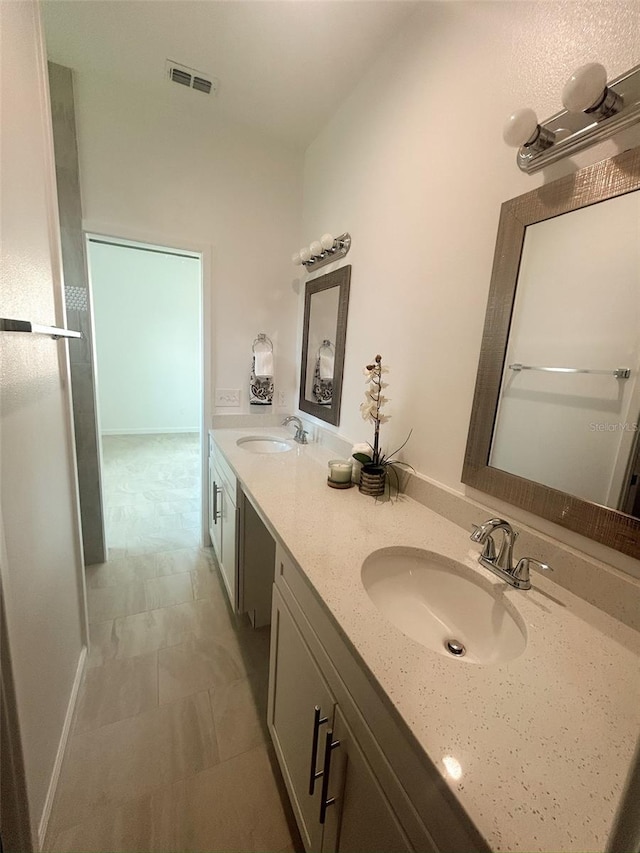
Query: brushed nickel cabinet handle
216	492
329	745
317	722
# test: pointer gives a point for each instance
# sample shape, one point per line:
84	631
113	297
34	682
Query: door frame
92	228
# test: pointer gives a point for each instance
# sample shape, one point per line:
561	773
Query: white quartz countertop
545	741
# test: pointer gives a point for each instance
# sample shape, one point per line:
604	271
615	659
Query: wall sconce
594	110
323	251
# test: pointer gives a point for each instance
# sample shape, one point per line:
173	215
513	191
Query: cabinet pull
216	492
329	745
317	722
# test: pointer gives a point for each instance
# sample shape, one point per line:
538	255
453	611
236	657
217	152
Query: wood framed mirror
324	336
555	424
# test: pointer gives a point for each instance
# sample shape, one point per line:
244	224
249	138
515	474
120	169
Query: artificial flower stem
377	378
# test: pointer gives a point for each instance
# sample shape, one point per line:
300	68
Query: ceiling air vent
179	76
191	78
202	85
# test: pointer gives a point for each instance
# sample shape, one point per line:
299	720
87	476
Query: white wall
41	576
414	167
162	172
147	328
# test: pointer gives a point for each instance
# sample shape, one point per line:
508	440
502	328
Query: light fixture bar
576	131
324	251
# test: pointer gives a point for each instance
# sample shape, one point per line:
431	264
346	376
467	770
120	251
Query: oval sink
444	605
264	444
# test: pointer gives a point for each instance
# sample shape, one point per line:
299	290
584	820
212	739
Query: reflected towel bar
7	325
619	372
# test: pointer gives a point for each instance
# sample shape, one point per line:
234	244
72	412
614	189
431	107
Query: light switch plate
227	397
282	398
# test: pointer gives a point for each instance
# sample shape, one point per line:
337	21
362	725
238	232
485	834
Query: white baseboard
149	431
62	746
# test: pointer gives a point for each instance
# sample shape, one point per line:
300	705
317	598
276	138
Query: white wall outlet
227	397
282	398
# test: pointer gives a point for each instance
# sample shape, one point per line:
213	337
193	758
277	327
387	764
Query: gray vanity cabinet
256	560
243	545
311	734
295	691
223	521
215	529
362	819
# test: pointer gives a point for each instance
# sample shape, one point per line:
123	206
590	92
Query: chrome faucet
501	563
301	433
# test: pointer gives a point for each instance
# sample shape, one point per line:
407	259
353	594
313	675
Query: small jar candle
340	471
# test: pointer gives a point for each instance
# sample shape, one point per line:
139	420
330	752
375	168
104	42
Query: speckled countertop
544	741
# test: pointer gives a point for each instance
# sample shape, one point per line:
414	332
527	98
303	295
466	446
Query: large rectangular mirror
324	335
555	426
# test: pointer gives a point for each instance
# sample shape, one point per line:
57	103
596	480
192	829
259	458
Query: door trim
69	717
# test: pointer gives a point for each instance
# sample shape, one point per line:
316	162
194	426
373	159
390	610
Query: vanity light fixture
522	130
594	111
587	91
323	251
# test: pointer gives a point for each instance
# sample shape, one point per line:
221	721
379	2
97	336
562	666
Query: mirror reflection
324	334
323	326
556	397
569	406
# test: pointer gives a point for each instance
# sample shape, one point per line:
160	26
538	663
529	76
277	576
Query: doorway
147	313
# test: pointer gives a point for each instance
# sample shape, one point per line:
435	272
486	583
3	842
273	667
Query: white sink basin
264	444
436	601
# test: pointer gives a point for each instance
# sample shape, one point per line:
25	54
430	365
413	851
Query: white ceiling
284	65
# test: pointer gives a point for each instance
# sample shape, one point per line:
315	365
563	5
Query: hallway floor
169	750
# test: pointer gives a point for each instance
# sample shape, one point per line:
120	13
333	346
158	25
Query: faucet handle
521	571
302	436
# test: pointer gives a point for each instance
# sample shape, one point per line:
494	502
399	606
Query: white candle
340	471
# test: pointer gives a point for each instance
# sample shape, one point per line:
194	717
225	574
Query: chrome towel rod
619	372
7	325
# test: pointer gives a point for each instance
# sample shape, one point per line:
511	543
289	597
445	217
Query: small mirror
325	330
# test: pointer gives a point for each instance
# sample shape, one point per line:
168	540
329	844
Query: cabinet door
296	689
228	562
215	526
360	820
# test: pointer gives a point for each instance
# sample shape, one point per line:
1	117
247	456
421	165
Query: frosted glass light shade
316	248
585	87
305	254
327	241
520	127
296	259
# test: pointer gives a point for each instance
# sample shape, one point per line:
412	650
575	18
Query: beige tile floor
169	749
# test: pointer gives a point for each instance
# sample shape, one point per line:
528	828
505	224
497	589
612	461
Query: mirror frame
338	278
593	184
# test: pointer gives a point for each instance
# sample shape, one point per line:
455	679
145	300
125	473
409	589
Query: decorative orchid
371	410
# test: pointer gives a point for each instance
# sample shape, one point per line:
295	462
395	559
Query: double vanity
417	701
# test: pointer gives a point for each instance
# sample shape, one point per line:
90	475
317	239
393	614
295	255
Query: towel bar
7	325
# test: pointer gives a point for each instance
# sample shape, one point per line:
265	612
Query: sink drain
455	647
